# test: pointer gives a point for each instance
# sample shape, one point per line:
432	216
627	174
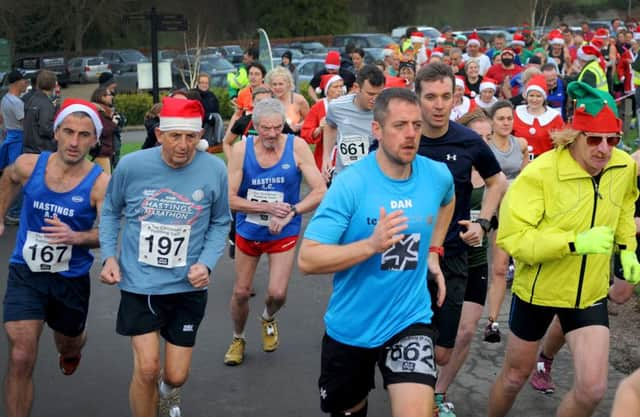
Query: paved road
278	384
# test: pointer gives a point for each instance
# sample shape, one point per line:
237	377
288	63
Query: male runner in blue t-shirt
170	202
49	268
379	228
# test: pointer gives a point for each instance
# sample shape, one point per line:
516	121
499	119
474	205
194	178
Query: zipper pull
598	192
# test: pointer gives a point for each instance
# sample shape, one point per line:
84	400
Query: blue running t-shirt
376	299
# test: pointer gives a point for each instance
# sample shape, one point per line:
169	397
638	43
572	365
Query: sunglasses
597	140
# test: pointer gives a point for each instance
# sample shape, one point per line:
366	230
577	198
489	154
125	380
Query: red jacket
536	129
317	112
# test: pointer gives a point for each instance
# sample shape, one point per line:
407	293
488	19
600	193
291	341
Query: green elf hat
595	110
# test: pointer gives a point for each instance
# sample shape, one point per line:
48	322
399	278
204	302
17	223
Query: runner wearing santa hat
332	65
487	96
561	220
169	205
462	104
592	72
473	52
332	87
49	268
535	120
558	51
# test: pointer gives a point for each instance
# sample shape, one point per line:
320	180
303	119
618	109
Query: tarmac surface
282	383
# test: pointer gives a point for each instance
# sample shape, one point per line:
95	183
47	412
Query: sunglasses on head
595	140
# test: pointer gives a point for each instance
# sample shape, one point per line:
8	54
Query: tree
302	17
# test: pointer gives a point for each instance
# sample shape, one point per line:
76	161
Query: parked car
123	60
86	69
232	53
309	47
428	31
29	67
363	40
305	70
215	65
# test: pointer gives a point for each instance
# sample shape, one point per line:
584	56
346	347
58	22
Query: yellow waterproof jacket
549	203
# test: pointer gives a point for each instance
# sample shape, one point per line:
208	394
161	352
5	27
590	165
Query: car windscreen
133	56
380	41
96	61
217	64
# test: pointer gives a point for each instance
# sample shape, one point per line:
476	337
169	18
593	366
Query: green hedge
135	106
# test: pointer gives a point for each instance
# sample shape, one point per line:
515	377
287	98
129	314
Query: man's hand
198	275
1	228
433	262
630	266
279	209
327	170
598	239
110	273
387	230
59	232
276	224
474	234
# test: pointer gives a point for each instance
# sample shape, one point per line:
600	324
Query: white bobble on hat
203	145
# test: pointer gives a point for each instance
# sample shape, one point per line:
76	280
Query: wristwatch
484	223
294	210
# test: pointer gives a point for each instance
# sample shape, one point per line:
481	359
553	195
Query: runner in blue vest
49	268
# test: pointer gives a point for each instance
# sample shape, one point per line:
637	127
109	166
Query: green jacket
549	203
594	75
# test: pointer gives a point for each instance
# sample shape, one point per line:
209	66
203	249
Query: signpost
159	23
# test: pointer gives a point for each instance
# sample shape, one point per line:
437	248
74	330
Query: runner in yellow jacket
561	220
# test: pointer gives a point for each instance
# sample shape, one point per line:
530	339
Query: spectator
286	61
151	122
39	113
102	154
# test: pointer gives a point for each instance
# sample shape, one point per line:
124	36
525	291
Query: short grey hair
267	107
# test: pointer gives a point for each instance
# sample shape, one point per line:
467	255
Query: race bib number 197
163	245
42	256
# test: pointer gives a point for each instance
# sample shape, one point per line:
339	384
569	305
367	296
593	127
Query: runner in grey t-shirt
12	109
349	122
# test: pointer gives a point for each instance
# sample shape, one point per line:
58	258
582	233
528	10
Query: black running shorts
176	316
348	372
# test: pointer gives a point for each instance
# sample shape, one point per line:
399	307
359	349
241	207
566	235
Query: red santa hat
180	114
488	83
332	61
537	83
325	82
601	33
588	53
473	39
417	37
598	43
460	82
73	105
555	37
438	51
518	39
441	40
636	33
394	82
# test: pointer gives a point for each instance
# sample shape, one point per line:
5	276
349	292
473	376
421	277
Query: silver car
305	70
86	69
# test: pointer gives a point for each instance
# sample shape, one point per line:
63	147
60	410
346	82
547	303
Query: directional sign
172	23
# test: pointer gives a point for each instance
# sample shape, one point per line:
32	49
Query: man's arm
45	124
318	258
312	93
227	143
235	180
59	232
496	187
330	135
13	177
445	214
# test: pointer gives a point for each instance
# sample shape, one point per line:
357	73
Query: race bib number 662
163	245
413	354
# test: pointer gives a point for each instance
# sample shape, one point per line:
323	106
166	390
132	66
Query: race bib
413	354
163	245
352	149
263	196
474	215
42	256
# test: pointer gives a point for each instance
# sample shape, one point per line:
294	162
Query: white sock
266	316
239	335
165	389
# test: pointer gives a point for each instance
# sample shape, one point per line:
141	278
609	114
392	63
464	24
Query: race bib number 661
163	245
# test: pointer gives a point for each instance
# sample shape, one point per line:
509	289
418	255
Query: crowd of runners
436	177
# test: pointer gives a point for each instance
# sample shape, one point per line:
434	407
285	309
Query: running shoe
69	364
235	353
492	333
442	408
10	220
541	378
169	406
269	334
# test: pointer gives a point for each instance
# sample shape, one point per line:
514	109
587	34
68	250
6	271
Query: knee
465	334
515	377
22	360
443	356
148	371
241	295
591	391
